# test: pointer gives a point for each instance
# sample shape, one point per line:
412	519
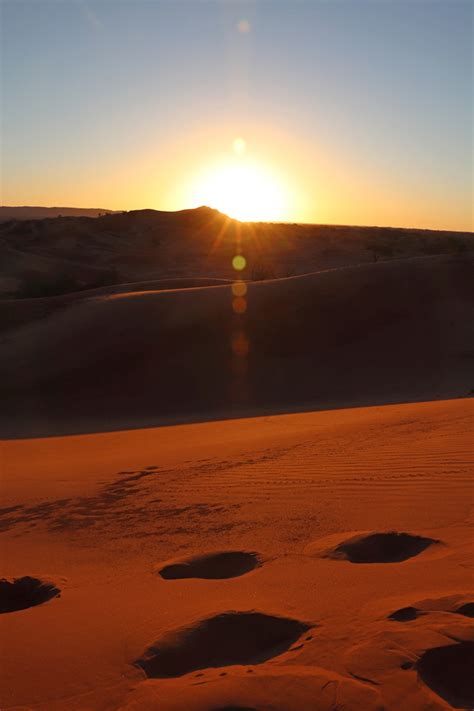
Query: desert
236	355
282	525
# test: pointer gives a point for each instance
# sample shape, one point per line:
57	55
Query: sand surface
44	257
370	334
117	521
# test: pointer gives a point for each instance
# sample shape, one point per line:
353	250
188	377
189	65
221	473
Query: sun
242	189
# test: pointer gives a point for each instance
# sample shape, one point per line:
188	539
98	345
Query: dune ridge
44	257
388	332
283	562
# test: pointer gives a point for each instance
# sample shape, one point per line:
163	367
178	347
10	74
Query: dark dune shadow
337	339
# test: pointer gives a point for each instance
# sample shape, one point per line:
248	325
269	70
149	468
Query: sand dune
314	561
38	213
97	517
17	312
46	257
386	332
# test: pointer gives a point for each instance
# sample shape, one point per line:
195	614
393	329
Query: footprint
467	610
226	639
390	547
225	564
405	614
448	672
450	605
25	592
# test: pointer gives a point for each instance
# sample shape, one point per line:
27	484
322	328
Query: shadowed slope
386	332
18	312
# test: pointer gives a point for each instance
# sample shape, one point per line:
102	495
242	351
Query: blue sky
364	107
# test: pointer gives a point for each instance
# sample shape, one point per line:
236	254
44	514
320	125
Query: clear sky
346	111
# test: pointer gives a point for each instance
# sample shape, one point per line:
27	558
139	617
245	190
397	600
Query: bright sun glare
241	188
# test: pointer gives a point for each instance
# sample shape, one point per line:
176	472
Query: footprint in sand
218	566
455	605
448	672
21	593
384	547
405	614
467	610
226	639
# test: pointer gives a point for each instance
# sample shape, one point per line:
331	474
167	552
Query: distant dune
392	331
39	213
49	257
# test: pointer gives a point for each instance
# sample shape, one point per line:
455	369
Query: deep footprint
391	547
22	593
227	564
467	609
448	672
405	614
229	638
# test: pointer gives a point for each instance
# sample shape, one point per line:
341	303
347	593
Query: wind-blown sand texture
303	628
215	508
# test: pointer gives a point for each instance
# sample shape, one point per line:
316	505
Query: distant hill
39	213
53	256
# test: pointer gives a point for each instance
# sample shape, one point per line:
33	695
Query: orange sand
100	514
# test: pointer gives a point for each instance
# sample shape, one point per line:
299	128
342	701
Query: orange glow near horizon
251	173
244	182
242	189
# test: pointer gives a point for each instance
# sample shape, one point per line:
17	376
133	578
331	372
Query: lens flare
240	345
239	262
243	26
239	305
239	288
239	146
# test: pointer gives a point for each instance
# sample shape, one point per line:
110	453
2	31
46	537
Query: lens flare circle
239	305
239	146
239	288
239	262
